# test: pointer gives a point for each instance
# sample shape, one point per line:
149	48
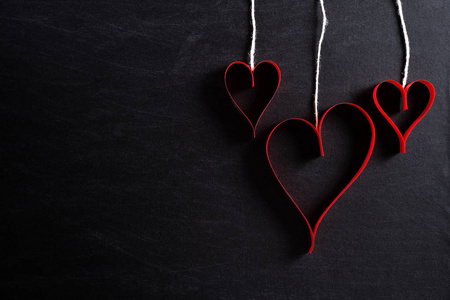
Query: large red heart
240	81
319	138
404	91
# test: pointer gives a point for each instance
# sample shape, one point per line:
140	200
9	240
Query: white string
405	36
252	49
319	50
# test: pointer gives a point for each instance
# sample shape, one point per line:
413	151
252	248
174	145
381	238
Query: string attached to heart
253	46
406	39
318	133
241	72
319	54
403	88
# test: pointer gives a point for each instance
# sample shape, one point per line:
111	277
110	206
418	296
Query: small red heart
319	138
260	85
404	91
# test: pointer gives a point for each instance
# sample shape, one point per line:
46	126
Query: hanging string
252	49
405	37
319	50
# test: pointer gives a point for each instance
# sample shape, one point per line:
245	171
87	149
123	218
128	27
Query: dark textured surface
128	174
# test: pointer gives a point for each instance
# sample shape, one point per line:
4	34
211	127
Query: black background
128	174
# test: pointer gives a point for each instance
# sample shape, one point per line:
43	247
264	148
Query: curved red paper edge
404	92
318	133
253	84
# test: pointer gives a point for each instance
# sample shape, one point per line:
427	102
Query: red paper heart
318	134
404	91
269	97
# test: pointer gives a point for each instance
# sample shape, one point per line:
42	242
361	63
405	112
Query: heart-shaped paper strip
319	137
252	74
404	92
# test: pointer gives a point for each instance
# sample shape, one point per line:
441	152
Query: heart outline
253	85
319	137
404	92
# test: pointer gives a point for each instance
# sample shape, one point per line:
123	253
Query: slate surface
128	174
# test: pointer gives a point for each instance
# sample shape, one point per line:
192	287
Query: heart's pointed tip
312	244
